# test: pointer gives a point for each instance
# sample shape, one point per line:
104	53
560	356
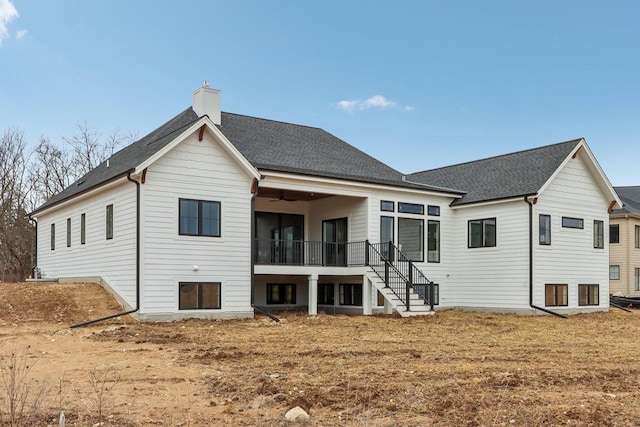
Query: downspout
526	199
90	322
35	247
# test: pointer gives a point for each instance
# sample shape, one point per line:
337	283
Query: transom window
199	218
281	293
387	206
556	295
598	234
410	208
544	230
482	233
614	272
568	222
199	296
614	233
588	295
433	210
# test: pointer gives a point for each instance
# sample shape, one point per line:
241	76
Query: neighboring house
624	239
213	212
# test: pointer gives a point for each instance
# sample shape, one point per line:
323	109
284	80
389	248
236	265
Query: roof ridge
273	121
497	156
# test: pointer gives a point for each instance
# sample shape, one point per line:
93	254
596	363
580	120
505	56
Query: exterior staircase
402	284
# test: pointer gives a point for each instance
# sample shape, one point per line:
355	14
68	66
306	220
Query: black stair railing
387	255
378	257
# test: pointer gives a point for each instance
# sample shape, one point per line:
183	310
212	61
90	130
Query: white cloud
375	101
21	33
8	13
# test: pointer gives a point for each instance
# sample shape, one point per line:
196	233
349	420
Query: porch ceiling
290	195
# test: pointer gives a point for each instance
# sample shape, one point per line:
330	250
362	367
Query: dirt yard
452	368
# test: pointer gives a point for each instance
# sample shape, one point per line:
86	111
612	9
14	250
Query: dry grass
454	368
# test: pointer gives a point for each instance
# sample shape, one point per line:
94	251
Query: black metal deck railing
397	271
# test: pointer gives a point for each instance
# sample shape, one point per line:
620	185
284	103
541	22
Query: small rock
296	414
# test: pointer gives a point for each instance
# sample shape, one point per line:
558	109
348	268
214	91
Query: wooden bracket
611	206
201	134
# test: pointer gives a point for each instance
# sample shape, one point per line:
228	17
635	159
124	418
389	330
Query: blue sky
416	84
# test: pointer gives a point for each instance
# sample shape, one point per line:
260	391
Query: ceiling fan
281	198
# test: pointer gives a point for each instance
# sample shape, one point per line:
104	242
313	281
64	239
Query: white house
214	213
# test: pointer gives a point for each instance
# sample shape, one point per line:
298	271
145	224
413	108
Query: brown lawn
453	368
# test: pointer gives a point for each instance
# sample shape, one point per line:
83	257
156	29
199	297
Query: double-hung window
637	236
482	233
614	272
199	218
544	229
598	234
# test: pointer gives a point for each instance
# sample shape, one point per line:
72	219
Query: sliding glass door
279	238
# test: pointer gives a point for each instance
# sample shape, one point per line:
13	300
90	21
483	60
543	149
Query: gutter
90	322
526	199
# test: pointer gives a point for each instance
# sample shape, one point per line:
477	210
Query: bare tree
16	233
50	172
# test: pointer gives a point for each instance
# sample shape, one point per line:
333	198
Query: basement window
588	294
351	294
555	295
281	293
199	296
325	293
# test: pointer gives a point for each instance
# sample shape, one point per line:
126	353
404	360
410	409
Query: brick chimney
206	101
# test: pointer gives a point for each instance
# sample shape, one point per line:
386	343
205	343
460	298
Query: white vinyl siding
198	170
112	260
572	258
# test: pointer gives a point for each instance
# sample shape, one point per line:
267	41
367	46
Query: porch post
313	294
366	296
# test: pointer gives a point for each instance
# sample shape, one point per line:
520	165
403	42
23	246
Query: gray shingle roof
630	196
285	147
266	144
500	177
